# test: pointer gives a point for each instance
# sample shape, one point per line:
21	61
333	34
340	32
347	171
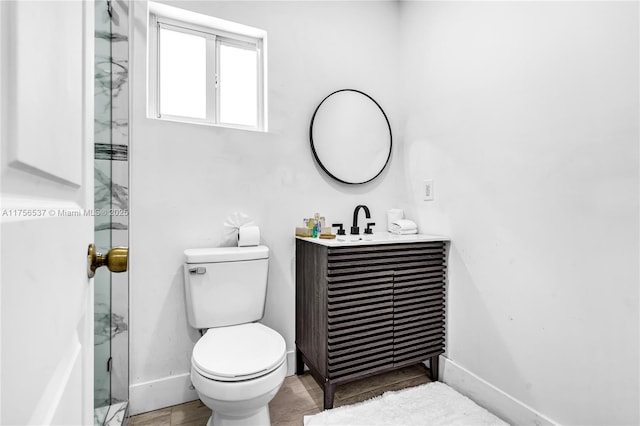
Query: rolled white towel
405	232
393	215
403	226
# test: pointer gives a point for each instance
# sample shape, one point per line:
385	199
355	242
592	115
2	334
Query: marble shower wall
112	194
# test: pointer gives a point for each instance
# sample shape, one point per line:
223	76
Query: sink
375	238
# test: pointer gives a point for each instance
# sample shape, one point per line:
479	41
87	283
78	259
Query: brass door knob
116	260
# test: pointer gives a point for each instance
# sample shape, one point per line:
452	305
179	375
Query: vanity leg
299	363
433	367
329	393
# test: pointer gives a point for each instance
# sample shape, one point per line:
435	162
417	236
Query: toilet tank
225	285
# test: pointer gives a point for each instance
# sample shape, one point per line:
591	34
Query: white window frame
214	38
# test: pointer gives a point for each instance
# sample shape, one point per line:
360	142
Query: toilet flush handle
199	270
117	260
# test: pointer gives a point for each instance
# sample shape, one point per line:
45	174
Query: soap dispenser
341	235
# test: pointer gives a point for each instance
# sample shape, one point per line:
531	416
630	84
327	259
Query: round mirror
350	136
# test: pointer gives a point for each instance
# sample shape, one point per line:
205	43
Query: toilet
238	365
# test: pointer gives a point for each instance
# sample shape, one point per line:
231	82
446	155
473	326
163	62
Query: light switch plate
427	190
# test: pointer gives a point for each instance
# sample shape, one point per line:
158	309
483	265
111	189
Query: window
205	70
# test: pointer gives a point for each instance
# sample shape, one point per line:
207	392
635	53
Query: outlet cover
427	190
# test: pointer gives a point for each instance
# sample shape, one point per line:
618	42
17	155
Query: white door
46	126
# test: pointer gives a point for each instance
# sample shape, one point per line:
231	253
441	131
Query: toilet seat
239	352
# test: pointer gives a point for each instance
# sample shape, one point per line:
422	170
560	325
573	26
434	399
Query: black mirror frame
313	149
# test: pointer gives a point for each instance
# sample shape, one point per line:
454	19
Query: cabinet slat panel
420	354
411	286
357	315
422	280
431	252
402	274
419	313
360	298
385	261
400	337
411	345
347	269
402	292
355	341
358	287
418	279
404	301
361	309
416	309
373	324
349	325
362	277
389	248
373	353
424	324
410	351
401	303
388	343
365	336
403	311
414	292
409	317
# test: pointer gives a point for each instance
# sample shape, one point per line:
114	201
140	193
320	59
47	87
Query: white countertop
375	238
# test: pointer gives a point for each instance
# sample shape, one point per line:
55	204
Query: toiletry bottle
312	227
318	226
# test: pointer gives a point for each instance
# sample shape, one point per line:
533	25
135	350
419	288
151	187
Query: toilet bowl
237	370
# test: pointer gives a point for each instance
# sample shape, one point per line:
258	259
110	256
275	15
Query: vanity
364	307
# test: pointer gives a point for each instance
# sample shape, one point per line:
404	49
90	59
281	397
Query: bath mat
430	404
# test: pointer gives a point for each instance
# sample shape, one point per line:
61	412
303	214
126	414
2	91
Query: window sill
204	123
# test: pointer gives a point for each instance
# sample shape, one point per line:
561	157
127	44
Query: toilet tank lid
225	254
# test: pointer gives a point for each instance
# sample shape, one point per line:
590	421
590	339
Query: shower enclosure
111	181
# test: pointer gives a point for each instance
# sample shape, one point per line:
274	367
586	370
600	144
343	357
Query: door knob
116	260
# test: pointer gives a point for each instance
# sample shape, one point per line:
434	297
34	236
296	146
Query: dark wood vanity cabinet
366	309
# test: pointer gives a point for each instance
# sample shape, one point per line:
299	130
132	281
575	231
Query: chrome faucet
354	229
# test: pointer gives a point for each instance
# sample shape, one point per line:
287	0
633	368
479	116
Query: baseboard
160	393
172	390
490	397
291	363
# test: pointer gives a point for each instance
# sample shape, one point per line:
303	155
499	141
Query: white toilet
238	365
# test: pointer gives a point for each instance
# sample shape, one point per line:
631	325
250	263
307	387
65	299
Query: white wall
186	179
525	114
526	117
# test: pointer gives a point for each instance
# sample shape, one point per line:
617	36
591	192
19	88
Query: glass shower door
111	182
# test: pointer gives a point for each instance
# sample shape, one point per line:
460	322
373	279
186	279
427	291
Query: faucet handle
340	230
369	230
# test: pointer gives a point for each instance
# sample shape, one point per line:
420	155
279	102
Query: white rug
425	405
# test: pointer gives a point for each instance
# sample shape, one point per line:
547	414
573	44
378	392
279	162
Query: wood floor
298	396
